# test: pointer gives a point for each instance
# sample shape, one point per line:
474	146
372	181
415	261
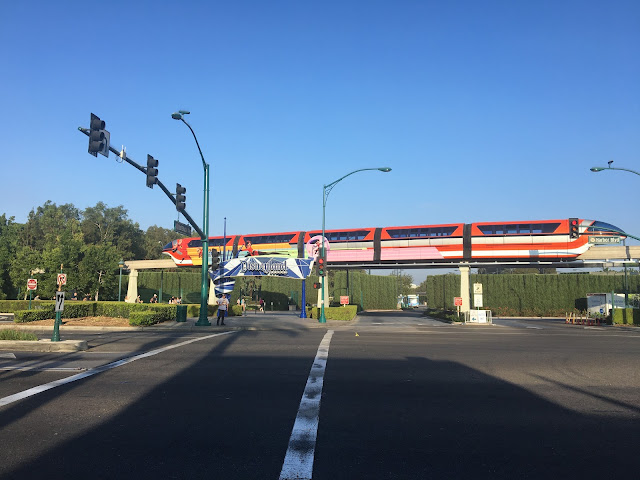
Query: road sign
477	288
32	284
457	301
59	301
62	279
181	228
604	240
344	299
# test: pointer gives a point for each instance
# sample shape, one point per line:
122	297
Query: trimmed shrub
626	316
145	318
25	316
347	313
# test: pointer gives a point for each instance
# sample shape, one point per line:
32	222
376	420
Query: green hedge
347	313
147	318
367	291
626	316
24	316
528	295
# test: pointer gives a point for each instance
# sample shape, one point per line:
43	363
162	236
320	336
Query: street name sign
604	240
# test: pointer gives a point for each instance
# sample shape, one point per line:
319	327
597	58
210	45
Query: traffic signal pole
124	157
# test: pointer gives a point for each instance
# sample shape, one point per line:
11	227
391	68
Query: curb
43	345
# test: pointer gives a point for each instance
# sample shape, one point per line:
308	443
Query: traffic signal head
573	228
98	137
152	171
321	267
180	197
215	259
317	285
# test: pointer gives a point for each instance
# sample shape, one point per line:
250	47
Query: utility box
181	313
600	303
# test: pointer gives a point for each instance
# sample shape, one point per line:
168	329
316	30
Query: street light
203	320
326	189
599	169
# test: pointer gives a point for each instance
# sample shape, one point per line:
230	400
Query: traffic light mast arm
159	183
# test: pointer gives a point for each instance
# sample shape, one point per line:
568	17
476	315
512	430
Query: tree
155	239
99	271
9	235
404	282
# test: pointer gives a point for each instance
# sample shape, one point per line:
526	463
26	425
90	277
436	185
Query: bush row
158	312
347	312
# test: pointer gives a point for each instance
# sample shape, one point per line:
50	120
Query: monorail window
213	242
519	228
346	236
260	239
602	227
421	232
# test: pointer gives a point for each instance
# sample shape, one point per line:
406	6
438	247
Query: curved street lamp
599	169
203	320
326	189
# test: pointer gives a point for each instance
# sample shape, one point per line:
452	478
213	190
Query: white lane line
298	462
8	355
93	371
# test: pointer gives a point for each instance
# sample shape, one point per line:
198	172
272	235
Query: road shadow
225	409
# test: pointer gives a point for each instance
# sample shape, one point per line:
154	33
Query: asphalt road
403	397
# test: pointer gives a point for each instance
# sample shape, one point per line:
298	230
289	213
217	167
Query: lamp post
203	320
600	169
326	189
121	265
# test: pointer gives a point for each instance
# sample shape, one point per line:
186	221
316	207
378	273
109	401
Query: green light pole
203	320
326	189
600	169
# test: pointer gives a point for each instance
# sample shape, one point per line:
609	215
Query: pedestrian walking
223	304
243	304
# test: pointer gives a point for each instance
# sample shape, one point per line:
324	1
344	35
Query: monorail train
558	240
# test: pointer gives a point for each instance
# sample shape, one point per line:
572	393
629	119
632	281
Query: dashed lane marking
298	461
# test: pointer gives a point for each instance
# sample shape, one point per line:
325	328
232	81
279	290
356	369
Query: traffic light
573	228
317	285
180	197
321	267
152	171
215	259
98	137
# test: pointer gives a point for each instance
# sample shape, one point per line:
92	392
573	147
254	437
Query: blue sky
485	111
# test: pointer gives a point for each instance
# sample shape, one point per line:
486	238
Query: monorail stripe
93	371
298	462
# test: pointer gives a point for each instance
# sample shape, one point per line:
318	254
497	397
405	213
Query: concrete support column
326	293
212	293
464	289
132	289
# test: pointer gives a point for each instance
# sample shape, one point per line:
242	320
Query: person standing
223	304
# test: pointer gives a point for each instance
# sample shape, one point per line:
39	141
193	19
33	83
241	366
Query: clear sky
485	110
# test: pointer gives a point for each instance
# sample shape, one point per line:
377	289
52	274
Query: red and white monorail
552	240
